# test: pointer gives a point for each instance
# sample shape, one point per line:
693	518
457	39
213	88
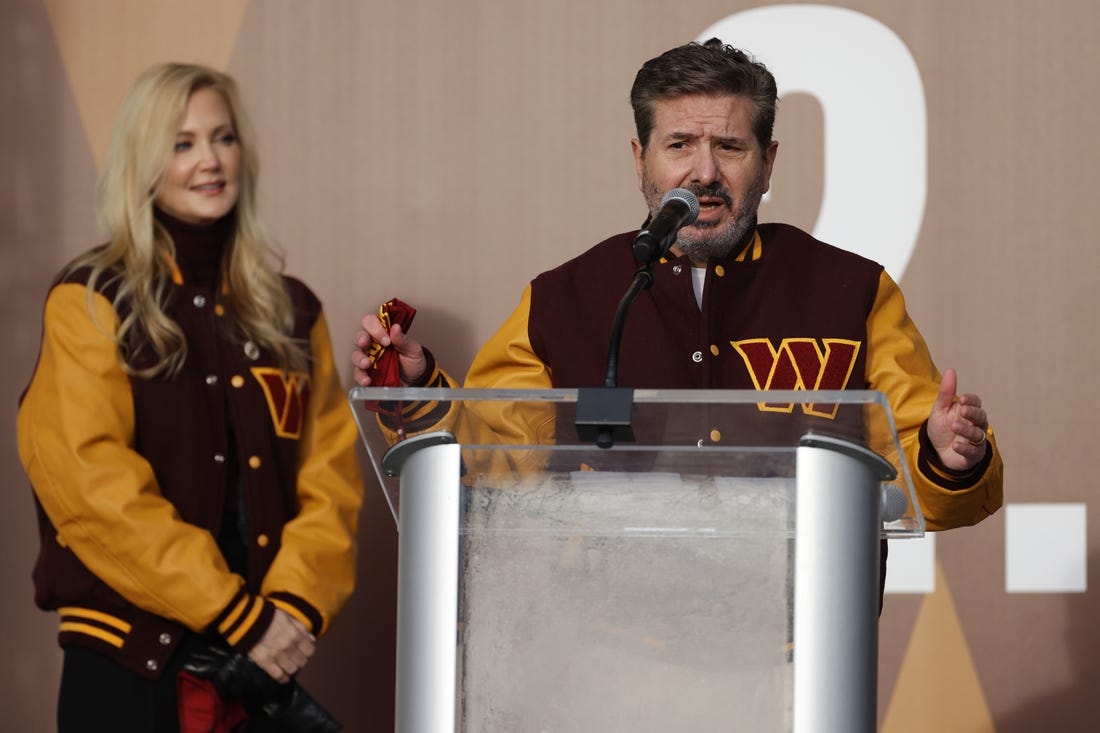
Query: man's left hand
957	426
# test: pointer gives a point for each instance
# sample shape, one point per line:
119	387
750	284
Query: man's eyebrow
733	140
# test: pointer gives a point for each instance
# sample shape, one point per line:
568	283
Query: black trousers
100	696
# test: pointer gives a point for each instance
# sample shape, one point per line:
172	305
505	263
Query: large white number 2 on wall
876	152
876	130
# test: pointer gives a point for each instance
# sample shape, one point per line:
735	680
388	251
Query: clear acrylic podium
717	569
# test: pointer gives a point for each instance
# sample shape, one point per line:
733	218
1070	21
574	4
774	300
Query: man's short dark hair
711	68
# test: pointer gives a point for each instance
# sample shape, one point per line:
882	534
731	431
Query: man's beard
707	241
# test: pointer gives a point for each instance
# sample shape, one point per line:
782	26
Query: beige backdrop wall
448	152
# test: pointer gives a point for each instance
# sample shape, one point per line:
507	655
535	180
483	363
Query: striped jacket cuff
299	609
244	621
400	419
930	465
430	376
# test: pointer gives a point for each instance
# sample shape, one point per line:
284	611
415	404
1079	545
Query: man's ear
639	159
769	163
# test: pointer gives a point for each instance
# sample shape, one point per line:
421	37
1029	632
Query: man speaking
732	300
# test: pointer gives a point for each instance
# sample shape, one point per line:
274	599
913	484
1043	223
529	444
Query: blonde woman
185	433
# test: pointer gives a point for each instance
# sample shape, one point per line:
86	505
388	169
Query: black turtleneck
199	247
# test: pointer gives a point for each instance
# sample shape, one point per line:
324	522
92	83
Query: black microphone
679	207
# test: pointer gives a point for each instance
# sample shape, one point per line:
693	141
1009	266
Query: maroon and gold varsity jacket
789	312
132	479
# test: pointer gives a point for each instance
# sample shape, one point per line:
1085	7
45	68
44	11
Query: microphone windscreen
688	198
894	503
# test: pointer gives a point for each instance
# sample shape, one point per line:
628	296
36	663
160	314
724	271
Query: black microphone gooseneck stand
643	278
603	413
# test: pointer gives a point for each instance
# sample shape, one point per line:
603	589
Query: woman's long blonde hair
134	258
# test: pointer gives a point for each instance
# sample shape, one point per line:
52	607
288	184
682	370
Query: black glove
238	678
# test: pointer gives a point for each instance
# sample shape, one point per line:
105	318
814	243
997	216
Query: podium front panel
650	602
647	586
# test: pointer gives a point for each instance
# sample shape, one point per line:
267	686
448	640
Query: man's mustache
712	190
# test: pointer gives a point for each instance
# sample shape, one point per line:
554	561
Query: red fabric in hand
385	369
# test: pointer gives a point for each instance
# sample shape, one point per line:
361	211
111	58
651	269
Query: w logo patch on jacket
799	364
287	398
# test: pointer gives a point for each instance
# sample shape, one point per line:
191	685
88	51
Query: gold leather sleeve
316	560
508	361
900	366
76	434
